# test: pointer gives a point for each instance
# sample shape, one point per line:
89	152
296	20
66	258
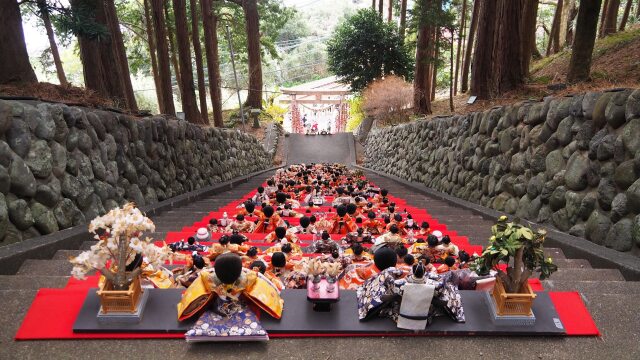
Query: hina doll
279	234
449	265
260	196
214	227
191	245
447	247
293	274
249	210
382	296
432	250
269	221
342	223
397	220
225	245
240	225
357	237
358	255
325	245
417	293
224	294
424	230
185	276
289	249
305	227
372	225
342	198
354	276
389	239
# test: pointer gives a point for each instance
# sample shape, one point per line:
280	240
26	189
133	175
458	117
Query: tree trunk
14	59
422	78
373	4
466	63
434	63
99	61
390	11
120	54
210	25
638	11
528	33
153	54
586	30
451	72
403	18
625	16
507	61
172	47
573	12
554	37
197	53
252	22
463	16
567	6
482	58
380	7
44	14
602	17
188	91
164	71
611	18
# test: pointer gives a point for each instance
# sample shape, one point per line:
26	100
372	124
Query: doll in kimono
372	225
281	234
240	224
221	295
269	221
342	223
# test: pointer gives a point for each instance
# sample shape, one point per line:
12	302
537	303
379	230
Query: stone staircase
613	302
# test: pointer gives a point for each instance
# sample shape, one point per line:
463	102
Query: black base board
298	317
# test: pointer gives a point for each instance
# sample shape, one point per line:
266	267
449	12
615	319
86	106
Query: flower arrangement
119	241
520	248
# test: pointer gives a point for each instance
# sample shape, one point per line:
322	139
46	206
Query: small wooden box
513	303
120	300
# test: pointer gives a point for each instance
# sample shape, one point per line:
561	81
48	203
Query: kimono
354	276
342	225
289	236
218	249
373	227
229	318
381	294
267	225
324	246
243	226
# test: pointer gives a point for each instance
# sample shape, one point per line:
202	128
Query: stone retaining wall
61	166
572	162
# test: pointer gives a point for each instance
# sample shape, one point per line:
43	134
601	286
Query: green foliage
356	113
513	241
364	48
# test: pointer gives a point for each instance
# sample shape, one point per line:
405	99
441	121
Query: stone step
45	267
588	275
555	253
572	263
30	282
65	254
593	287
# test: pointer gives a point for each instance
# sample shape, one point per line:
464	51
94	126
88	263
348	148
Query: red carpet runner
54	311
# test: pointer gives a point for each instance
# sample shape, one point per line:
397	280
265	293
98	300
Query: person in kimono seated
184	276
372	225
222	295
190	245
342	223
305	227
325	245
269	221
354	275
279	234
387	294
260	197
240	225
249	210
448	248
389	239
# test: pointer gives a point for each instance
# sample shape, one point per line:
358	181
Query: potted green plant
521	249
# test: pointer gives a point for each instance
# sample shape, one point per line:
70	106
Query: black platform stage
160	316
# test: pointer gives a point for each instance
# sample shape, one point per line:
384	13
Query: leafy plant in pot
521	249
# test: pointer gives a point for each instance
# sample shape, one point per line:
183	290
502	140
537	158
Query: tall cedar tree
611	18
466	63
585	38
188	91
197	53
380	7
481	78
100	53
164	71
553	46
252	26
14	59
425	46
529	18
46	20
173	53
625	15
462	22
403	18
210	25
153	53
605	6
390	11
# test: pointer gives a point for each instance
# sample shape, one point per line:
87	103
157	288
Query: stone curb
44	247
573	247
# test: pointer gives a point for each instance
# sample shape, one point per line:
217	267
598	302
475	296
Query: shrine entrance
317	107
